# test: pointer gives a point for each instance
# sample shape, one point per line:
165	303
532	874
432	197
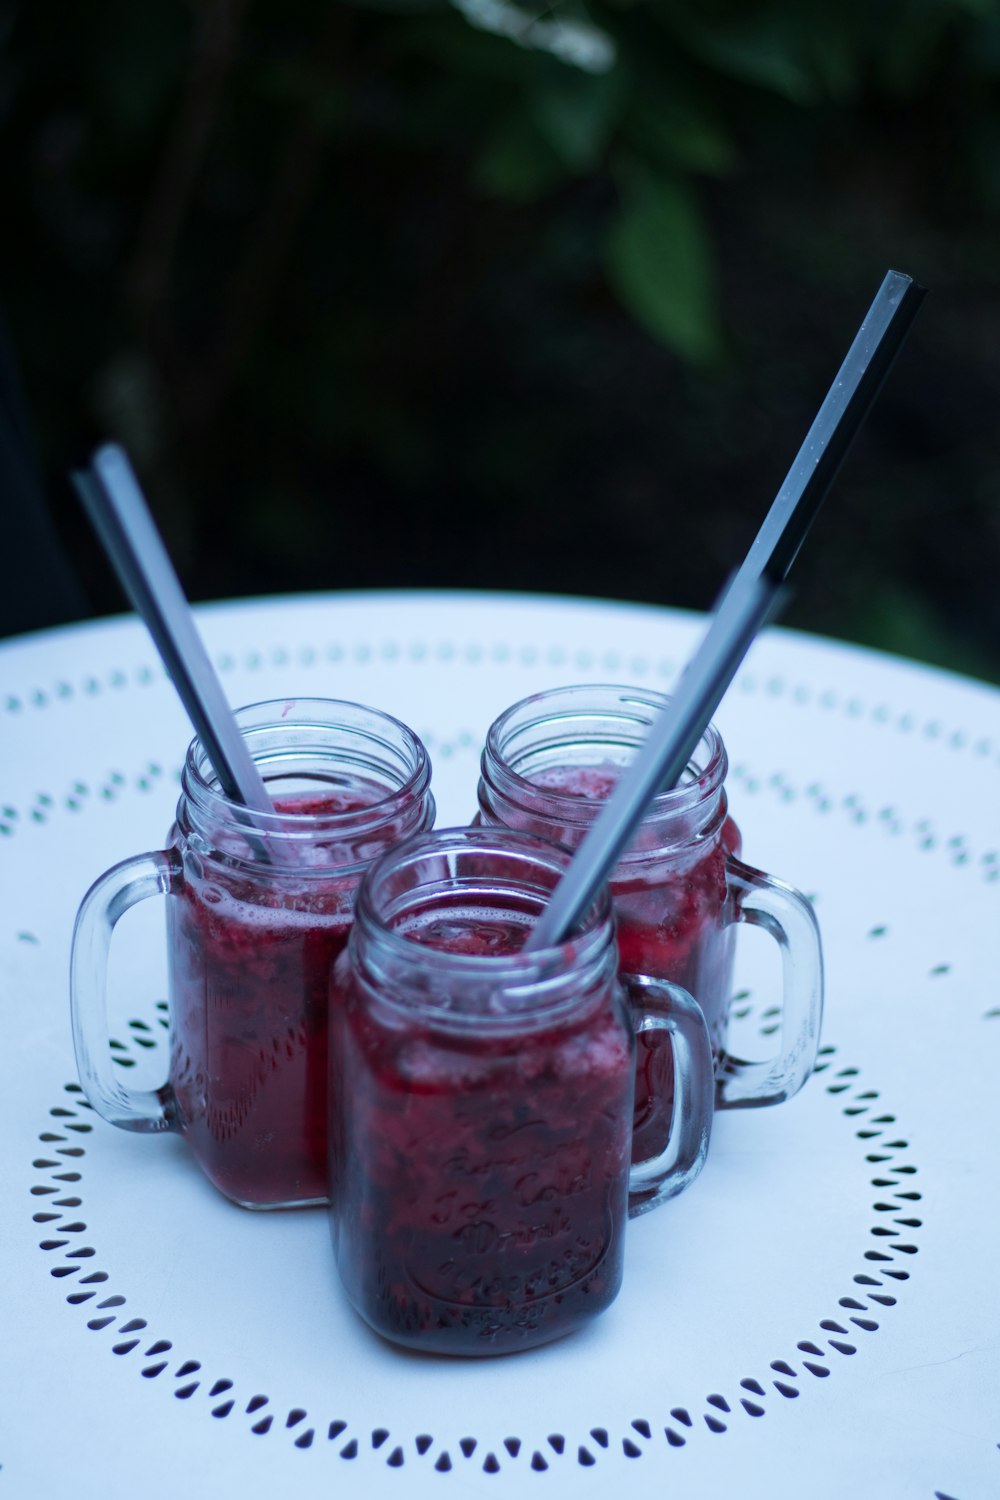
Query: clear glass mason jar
481	1100
254	922
679	890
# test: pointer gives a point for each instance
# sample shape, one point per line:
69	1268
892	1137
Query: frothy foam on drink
475	931
593	783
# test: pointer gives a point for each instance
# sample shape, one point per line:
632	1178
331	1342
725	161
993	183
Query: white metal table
818	1316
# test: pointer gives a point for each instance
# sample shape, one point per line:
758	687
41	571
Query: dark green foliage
397	292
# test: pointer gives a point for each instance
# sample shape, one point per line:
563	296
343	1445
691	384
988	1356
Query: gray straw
752	599
119	513
746	607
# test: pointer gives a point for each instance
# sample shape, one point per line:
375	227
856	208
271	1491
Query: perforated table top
818	1315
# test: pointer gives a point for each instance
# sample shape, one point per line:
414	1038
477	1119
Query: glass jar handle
762	901
661	1006
108	899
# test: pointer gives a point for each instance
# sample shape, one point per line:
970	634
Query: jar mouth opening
461	882
590	727
309	749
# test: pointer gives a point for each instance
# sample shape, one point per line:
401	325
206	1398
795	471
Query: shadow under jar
549	764
257	912
481	1100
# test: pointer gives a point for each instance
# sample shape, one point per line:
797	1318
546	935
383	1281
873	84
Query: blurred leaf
452	44
518	162
678	133
899	620
577	114
658	259
402	7
769	51
564	30
835	56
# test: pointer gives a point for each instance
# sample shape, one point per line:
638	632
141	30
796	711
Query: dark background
396	294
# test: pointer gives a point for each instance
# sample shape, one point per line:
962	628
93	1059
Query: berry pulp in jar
250	953
480	1170
672	922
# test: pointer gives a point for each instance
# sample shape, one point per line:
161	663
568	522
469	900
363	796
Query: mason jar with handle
258	907
680	890
482	1100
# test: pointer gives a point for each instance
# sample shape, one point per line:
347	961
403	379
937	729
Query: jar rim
547	972
622	707
373	729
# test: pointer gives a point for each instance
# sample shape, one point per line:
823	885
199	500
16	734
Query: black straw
750	600
836	425
116	507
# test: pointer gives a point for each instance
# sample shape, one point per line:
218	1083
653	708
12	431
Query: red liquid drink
259	908
495	1172
671	923
481	1103
250	957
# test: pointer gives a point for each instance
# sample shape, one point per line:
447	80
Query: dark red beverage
481	1123
255	922
671	923
250	958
